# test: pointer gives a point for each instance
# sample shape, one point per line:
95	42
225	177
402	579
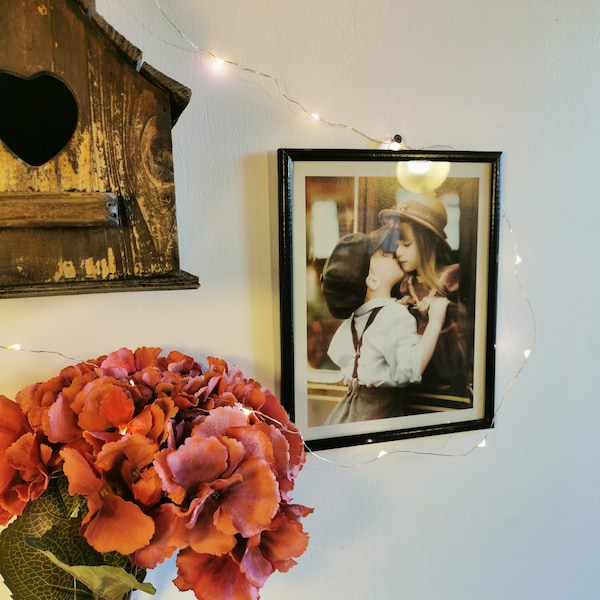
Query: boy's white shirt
390	354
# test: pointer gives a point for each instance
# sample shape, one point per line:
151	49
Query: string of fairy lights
526	354
393	143
399	449
219	63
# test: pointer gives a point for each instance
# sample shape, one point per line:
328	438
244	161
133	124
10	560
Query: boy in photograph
377	347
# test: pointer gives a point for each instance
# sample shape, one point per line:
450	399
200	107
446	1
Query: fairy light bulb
218	63
422	176
16	347
267	76
418	167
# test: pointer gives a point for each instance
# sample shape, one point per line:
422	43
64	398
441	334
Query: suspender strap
358	341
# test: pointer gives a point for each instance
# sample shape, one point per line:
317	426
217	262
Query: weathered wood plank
30	22
179	94
180	280
61	209
132	53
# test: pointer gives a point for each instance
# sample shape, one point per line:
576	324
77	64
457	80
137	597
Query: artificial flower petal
213	578
168	533
196	461
117	406
105	531
23	475
205	537
256	567
248	506
285	539
119	363
102	525
145	357
60	423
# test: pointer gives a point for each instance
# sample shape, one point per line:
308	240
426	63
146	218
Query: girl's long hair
433	255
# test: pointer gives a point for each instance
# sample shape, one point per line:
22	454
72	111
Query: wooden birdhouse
87	194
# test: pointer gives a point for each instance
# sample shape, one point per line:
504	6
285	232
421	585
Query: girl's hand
436	308
406	300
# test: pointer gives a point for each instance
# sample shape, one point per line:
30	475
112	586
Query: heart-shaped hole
38	116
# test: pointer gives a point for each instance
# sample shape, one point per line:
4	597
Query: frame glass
326	195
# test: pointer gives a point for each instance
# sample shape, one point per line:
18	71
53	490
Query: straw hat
424	209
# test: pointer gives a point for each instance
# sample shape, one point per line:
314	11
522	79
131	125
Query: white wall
514	520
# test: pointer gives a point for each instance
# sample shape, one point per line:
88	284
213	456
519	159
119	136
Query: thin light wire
257	413
526	356
287	97
383	454
272	78
18	348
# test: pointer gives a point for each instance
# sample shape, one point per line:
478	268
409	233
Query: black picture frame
325	194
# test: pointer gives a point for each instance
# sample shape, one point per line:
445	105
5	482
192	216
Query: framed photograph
388	279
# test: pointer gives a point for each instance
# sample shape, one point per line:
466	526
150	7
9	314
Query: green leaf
108	583
46	524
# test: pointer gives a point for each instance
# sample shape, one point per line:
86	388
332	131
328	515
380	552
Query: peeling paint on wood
66	270
104	268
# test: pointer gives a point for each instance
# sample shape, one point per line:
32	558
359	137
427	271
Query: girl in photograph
426	258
